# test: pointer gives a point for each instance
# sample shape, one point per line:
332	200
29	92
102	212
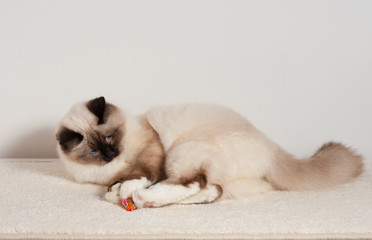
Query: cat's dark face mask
100	142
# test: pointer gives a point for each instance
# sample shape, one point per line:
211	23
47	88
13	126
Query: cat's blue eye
93	152
109	138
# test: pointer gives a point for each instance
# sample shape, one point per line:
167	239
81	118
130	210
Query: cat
185	154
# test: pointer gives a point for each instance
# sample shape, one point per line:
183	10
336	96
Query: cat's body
194	153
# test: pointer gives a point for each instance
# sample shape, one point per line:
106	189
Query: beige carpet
39	201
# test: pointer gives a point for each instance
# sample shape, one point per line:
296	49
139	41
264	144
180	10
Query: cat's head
91	133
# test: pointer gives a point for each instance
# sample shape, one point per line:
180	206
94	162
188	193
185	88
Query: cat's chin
108	161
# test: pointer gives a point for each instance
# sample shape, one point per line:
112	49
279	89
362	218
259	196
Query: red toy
128	204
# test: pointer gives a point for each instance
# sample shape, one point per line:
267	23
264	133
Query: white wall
301	71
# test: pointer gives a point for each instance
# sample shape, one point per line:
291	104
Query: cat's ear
68	139
98	106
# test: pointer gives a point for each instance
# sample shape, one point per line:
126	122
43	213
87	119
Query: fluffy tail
331	165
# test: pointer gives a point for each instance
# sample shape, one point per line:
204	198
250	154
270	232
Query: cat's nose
109	153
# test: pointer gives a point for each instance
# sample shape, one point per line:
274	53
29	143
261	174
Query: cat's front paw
113	194
128	187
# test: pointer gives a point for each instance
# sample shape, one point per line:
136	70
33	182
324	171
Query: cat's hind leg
169	191
189	166
209	194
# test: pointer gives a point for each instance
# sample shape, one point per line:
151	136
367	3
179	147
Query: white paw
114	195
163	194
143	202
129	187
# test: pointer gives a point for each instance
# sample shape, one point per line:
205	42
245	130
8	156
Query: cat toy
128	204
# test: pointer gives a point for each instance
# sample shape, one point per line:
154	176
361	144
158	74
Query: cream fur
198	135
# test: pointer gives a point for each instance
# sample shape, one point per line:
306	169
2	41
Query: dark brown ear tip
97	106
98	101
101	99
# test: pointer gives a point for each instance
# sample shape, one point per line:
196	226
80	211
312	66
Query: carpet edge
207	236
